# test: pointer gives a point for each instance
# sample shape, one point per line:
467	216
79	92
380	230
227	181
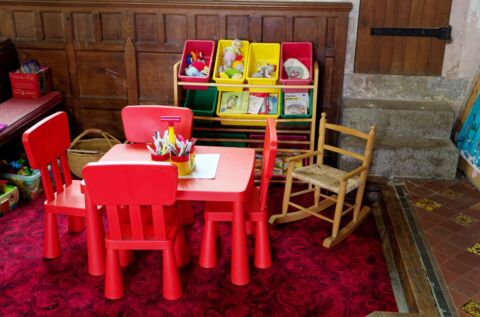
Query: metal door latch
442	33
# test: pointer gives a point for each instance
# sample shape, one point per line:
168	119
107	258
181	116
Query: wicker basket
83	151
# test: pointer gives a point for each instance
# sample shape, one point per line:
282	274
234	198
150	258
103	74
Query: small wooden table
233	177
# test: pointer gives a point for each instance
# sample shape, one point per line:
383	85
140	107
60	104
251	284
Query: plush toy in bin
233	63
173	148
196	65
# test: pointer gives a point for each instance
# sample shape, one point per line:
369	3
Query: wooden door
402	55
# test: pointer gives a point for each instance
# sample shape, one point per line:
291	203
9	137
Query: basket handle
106	135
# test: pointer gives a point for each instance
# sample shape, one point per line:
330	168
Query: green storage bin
297	116
202	102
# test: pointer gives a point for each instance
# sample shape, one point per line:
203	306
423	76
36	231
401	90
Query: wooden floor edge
416	287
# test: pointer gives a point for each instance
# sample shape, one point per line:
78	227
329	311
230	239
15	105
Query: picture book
234	102
255	103
296	103
272	104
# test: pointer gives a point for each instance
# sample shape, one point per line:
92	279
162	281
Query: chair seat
325	176
70	202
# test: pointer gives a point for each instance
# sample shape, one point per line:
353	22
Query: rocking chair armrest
355	172
302	156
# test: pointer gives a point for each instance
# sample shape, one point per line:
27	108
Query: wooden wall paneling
155	77
37	20
131	72
237	27
256	30
101	74
274	28
24	22
53	26
121	52
72	100
207	27
146	27
83	26
176	29
112	27
106	119
304	28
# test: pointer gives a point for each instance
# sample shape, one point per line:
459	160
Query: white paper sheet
205	166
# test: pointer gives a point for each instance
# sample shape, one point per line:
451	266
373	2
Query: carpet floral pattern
305	280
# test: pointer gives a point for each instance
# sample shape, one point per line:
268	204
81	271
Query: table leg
239	270
95	239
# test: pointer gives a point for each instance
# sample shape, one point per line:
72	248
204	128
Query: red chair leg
182	253
51	244
208	249
263	254
126	257
250	227
75	224
95	240
113	276
172	289
187	212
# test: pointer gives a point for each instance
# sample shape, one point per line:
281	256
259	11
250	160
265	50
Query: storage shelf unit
285	126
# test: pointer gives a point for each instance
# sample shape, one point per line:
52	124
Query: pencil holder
185	164
164	157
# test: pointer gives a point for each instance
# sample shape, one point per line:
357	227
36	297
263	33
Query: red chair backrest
139	122
136	185
46	144
268	160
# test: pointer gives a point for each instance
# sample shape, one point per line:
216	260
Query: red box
304	53
208	50
31	86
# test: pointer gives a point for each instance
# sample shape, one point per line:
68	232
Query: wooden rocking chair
339	183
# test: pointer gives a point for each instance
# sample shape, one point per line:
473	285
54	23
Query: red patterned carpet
305	280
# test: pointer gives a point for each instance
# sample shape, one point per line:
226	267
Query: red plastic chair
255	208
46	145
139	122
150	225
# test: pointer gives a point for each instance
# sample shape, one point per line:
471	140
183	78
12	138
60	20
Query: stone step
402	157
429	119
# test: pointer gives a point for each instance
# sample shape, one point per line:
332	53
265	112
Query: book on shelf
272	104
256	103
234	102
263	103
296	103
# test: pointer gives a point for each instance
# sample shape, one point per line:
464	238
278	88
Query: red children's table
234	174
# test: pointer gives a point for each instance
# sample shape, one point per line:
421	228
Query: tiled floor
448	216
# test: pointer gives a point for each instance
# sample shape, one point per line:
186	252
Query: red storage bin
208	50
31	86
303	52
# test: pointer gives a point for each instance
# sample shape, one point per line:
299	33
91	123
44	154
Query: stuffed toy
231	52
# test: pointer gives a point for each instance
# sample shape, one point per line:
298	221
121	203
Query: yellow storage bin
260	119
261	55
219	62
